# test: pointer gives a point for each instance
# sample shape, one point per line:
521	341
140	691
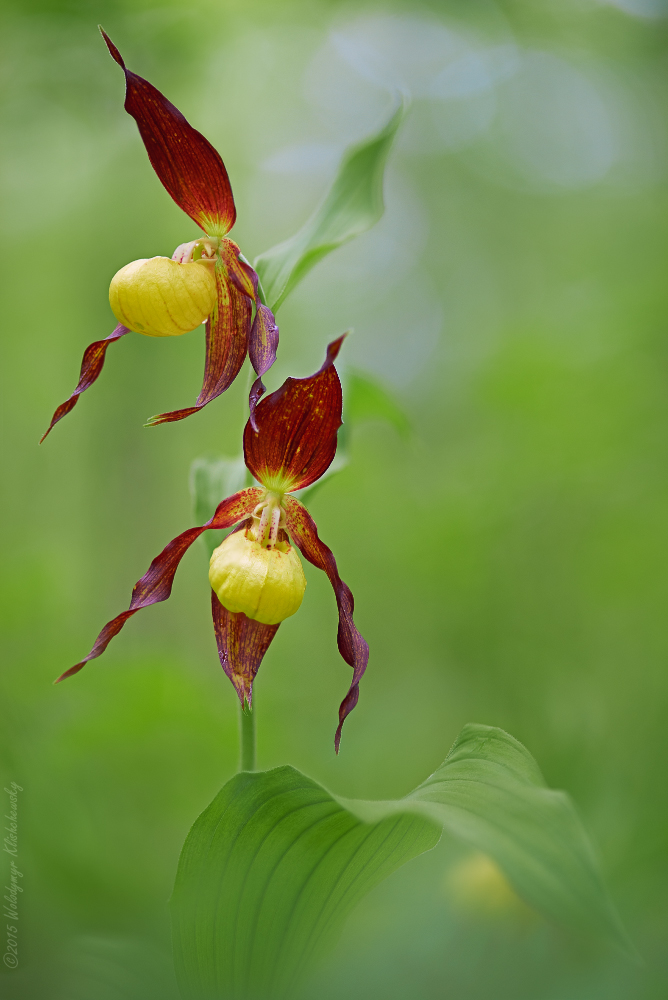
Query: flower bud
267	584
161	297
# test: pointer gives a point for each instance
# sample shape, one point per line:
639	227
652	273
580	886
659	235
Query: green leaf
368	399
211	480
271	869
341	461
353	205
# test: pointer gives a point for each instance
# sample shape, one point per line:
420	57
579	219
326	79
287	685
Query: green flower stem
247	738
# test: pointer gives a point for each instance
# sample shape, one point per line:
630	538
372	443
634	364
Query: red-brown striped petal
242	643
241	274
91	366
352	646
263	342
156	584
293	435
227	332
187	164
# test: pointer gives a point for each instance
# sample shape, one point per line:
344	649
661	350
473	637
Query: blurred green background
508	559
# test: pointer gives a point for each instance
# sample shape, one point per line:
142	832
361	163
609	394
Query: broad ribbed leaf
353	204
270	870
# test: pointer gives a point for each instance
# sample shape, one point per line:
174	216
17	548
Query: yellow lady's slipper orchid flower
256	575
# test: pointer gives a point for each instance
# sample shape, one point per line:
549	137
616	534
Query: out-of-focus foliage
353	205
275	864
368	399
508	560
212	480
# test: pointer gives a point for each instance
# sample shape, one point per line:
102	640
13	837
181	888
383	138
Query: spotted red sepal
353	647
242	643
292	439
156	584
187	164
91	366
227	333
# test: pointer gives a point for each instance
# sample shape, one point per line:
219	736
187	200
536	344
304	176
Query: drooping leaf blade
489	793
353	204
270	870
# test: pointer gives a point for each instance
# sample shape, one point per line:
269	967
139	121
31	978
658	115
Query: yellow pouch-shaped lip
266	584
160	297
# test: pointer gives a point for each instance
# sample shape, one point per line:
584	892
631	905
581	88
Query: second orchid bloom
256	575
206	280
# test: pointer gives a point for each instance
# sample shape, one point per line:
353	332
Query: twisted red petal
258	390
91	366
241	274
187	164
156	584
293	434
263	342
262	348
227	332
264	333
352	646
242	643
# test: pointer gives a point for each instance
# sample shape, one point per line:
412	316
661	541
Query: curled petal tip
70	673
156	584
91	366
333	349
115	54
352	645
